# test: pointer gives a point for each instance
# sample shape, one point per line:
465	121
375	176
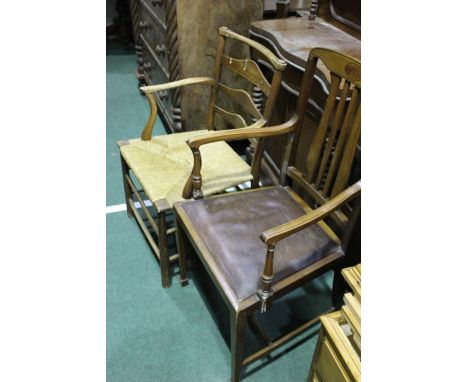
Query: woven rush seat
230	226
163	165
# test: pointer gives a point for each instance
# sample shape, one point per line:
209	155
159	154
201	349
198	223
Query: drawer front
328	365
154	39
157	8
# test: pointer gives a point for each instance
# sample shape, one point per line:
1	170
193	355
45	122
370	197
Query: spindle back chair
231	233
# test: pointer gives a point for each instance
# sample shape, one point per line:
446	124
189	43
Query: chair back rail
333	146
249	70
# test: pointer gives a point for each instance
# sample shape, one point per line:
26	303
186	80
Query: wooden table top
294	37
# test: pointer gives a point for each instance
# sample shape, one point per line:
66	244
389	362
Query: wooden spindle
267	278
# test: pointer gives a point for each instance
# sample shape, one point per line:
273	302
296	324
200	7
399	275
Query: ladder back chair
257	245
162	164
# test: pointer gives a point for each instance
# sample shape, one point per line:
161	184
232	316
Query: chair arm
194	183
148	90
175	84
243	133
273	235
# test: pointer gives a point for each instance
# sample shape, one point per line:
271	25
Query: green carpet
177	334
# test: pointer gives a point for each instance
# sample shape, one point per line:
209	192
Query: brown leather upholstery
230	226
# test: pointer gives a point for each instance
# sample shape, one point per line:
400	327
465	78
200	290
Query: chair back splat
249	70
333	147
256	113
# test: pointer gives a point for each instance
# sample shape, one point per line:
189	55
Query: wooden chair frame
245	68
330	201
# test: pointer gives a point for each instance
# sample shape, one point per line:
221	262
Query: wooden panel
198	23
249	70
328	365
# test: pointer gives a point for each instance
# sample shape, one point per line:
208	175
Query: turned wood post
267	278
196	174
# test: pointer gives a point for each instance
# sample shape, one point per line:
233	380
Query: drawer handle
160	49
144	25
147	65
164	94
156	2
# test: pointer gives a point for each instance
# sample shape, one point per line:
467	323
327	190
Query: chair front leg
163	250
238	324
127	189
181	240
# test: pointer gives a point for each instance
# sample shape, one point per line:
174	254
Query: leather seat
163	165
230	226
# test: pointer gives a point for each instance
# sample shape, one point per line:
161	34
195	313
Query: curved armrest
148	90
193	185
273	235
253	131
175	84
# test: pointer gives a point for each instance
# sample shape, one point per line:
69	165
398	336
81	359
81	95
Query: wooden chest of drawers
176	39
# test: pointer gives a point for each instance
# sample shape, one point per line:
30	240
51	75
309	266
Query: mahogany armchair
260	244
162	164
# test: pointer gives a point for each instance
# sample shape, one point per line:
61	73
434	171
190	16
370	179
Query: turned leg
127	189
181	240
163	250
238	321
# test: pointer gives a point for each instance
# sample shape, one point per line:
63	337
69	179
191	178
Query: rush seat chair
162	164
257	245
